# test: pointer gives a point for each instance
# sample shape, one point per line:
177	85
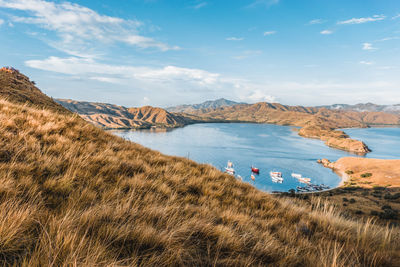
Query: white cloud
315	21
146	42
234	38
269	33
77	25
366	63
368	46
1	21
113	73
363	20
396	17
388	39
326	32
259	96
200	5
165	82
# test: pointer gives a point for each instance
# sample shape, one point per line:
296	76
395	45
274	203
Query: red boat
255	170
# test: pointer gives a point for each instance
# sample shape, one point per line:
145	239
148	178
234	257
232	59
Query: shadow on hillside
379	203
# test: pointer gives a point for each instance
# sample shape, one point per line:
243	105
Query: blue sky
163	53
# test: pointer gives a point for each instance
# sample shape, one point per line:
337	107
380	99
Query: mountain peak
213	104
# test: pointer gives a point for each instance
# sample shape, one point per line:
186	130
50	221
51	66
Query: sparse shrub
392	197
374	213
386	207
349	172
352	200
366	175
388	214
345	199
359	212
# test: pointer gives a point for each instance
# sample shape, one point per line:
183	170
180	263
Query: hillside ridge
18	88
118	117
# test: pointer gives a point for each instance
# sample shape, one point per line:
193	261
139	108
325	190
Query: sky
169	52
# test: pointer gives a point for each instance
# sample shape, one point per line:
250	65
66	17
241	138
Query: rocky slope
119	117
16	87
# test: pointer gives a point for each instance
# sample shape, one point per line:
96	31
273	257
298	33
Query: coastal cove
267	146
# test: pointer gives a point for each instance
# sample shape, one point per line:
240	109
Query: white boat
276	177
275	174
229	168
304	180
296	175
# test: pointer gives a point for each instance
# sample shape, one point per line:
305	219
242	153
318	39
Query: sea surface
266	146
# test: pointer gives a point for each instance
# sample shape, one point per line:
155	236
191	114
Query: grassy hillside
72	194
17	88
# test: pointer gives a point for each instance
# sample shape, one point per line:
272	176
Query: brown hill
74	195
17	88
119	117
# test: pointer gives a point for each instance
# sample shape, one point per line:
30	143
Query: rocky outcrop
335	139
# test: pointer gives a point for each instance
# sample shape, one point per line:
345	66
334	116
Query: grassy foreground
72	194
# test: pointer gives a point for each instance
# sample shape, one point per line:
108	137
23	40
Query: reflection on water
268	147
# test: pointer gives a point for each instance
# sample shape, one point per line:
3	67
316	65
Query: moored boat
296	175
229	168
304	180
276	177
255	170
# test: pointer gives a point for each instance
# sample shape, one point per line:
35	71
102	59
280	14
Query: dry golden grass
74	195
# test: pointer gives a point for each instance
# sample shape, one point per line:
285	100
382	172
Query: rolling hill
118	117
72	194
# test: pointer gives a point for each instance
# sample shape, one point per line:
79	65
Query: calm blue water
384	142
269	147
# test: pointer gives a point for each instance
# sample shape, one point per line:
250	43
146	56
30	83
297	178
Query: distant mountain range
394	109
212	104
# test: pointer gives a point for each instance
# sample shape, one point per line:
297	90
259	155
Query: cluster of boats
277	177
312	188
